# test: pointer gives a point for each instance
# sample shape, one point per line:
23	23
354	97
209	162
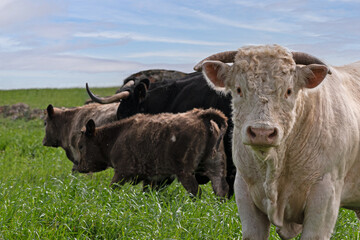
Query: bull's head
265	82
131	97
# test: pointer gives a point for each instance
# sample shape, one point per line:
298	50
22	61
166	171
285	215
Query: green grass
41	199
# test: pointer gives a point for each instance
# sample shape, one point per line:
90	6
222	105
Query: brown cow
63	125
147	147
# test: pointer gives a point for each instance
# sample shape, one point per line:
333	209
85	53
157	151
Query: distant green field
41	98
41	199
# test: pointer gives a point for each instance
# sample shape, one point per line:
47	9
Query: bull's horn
129	83
307	59
225	57
105	100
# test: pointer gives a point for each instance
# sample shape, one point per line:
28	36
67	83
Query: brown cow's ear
50	111
215	72
90	128
314	74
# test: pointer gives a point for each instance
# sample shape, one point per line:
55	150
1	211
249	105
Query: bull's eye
288	92
238	90
80	147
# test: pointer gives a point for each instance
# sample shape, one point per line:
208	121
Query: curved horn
105	100
129	83
225	57
307	59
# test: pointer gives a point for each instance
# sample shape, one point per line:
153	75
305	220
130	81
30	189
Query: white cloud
170	54
64	63
346	1
265	25
145	38
309	17
72	63
4	3
6	42
272	6
8	45
22	11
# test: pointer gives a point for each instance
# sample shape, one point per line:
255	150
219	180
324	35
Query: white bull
295	139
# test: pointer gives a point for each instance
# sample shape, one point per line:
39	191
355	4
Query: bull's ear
146	82
140	91
314	74
50	111
90	128
215	72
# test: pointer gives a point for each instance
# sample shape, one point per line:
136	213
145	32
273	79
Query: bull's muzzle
264	137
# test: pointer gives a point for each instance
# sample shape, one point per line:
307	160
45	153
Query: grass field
41	98
41	199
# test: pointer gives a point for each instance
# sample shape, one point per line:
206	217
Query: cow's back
159	144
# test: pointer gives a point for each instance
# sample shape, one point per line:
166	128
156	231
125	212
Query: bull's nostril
251	133
273	134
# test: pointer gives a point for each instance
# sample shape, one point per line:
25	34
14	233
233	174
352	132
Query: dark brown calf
63	125
148	147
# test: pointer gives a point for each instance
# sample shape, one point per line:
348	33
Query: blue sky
51	43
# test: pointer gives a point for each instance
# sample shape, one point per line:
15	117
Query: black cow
176	96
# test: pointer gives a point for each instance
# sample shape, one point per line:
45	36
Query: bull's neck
306	131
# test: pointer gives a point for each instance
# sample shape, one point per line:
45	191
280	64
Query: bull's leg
255	224
189	182
322	209
289	230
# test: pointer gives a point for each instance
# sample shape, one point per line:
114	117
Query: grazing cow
147	147
175	96
295	140
63	125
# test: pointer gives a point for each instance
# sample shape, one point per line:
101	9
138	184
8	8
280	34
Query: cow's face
265	84
52	127
134	103
91	158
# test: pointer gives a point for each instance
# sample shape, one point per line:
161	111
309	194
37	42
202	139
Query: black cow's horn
105	100
129	83
307	59
225	57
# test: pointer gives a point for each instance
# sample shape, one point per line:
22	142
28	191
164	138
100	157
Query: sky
64	44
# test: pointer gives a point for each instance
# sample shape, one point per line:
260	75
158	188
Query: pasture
41	199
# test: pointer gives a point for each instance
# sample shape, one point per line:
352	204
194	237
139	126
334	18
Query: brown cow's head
265	83
52	124
91	158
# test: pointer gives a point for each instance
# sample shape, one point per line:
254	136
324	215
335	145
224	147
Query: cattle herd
280	129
